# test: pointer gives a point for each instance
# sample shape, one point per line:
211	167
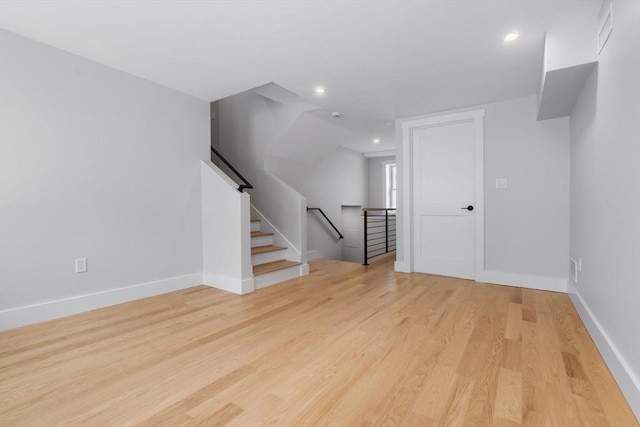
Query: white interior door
443	169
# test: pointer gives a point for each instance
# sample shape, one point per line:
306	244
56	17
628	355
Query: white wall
331	182
569	57
376	180
605	199
226	241
569	43
527	224
93	163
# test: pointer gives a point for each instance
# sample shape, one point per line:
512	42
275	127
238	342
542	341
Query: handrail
389	238
328	220
241	187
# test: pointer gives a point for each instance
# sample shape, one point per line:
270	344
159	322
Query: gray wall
93	163
526	224
605	190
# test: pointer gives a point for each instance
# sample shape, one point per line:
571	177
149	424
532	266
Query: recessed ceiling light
376	140
511	37
319	90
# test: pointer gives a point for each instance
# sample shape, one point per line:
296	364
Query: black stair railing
379	232
245	183
328	220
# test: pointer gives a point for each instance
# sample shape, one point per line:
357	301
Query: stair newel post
366	258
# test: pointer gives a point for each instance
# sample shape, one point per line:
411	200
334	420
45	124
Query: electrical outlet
81	265
573	270
501	183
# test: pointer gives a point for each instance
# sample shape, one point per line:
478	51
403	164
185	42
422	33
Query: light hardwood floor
345	346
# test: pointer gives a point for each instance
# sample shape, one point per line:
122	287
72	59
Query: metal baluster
366	255
386	231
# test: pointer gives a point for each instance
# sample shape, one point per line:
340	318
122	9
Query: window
389	184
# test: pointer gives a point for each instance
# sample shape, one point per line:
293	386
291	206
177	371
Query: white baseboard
234	285
313	254
35	313
523	280
401	267
304	269
628	382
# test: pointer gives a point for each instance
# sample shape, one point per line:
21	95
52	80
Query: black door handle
469	208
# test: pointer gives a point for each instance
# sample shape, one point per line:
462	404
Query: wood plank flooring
345	346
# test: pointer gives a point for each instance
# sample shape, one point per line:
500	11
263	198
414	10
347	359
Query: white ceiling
379	60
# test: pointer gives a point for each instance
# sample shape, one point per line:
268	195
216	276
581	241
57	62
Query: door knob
469	208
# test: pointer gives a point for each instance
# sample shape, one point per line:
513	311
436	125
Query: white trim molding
35	313
628	382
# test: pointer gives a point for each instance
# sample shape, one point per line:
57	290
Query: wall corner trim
628	382
35	313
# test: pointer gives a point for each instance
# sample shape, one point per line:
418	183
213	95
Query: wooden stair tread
268	248
273	266
260	233
255	220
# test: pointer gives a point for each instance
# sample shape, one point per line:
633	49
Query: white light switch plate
501	182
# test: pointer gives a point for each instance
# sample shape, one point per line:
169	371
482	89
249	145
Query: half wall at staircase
226	262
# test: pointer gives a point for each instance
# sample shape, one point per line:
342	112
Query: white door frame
404	131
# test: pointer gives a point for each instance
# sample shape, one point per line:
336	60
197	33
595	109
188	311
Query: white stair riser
266	257
255	226
261	241
268	279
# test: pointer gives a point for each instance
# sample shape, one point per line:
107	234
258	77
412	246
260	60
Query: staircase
269	262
